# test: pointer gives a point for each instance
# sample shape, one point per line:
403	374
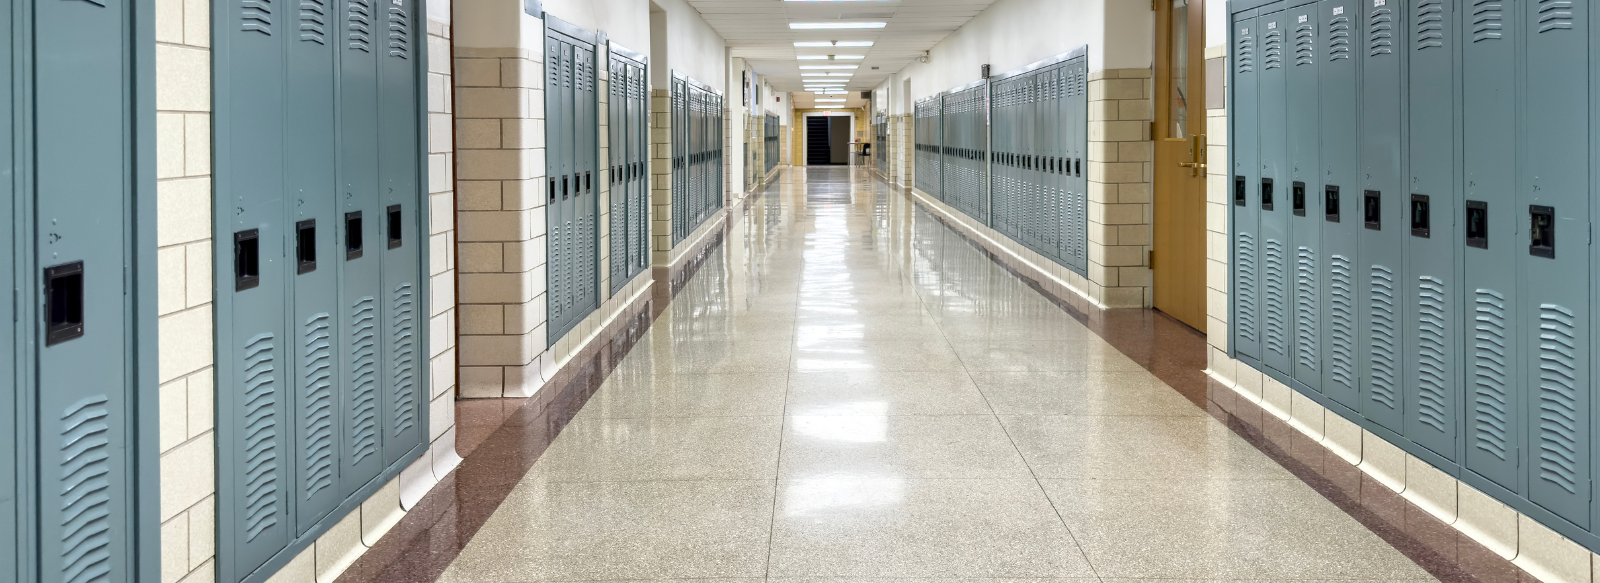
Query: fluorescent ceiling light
848	57
828	100
815	74
832	25
812	57
827	67
842	43
840	74
834	57
830	107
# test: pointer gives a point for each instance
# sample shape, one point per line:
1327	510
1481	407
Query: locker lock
352	236
63	302
246	259
1478	224
1421	221
1372	209
1238	191
1298	198
1266	194
1330	203
1542	231
305	245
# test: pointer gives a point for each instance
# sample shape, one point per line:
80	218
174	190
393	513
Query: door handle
1197	155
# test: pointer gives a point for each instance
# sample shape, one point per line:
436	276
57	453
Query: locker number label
1302	19
1379	3
1337	10
1244	32
1272	26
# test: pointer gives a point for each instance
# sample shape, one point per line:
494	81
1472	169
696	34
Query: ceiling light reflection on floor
814	495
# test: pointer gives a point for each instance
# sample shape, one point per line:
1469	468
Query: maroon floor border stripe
1176	354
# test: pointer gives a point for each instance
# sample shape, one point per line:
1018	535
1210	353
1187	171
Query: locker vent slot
1490	401
399	32
1272	49
314	21
1277	298
1305	40
359	25
1306	307
364	377
260	437
1342	346
404	382
1383	338
1558	397
1339	38
85	491
317	410
1246	54
1430	24
1488	20
1431	347
1247	287
256	16
1380	32
1555	15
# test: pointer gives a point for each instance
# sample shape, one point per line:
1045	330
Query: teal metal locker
403	316
1302	193
639	166
13	435
1338	87
254	378
310	223
1244	184
571	130
1553	190
1432	309
1494	429
617	179
1274	274
1382	246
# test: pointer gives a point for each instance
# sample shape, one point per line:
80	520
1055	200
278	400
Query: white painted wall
625	21
693	47
1013	33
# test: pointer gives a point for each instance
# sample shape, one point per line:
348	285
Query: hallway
847	388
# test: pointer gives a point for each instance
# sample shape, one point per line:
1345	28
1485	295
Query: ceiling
758	31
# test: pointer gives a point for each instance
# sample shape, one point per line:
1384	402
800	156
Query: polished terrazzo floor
848	390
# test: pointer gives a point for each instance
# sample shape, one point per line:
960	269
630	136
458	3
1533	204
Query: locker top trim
1082	51
570	29
978	83
929	99
617	50
1237	6
695	83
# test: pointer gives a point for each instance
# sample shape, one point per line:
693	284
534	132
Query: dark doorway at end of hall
827	140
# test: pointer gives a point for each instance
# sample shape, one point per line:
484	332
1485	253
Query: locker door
1382	257
254	382
586	207
1246	180
1338	85
362	456
620	186
404	236
1301	193
1080	140
558	119
11	550
1552	195
1431	335
640	122
314	251
1489	72
1277	329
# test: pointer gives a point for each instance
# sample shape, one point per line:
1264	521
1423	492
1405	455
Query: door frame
805	137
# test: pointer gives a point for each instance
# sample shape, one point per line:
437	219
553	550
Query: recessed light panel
812	57
830	67
828	100
830	107
834	25
843	43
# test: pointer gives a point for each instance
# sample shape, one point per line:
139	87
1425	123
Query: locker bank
540	290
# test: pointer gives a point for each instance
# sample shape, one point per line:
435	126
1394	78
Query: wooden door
1178	257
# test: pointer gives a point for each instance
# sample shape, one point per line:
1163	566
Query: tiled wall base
1054	277
697	238
1498	528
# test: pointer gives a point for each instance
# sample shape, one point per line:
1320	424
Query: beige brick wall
660	177
905	155
1119	172
1531	546
183	233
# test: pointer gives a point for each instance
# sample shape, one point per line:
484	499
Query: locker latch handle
1542	231
552	189
305	245
1298	198
564	186
1372	209
1266	194
1478	224
63	302
353	243
1330	203
588	181
396	227
246	259
1421	221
